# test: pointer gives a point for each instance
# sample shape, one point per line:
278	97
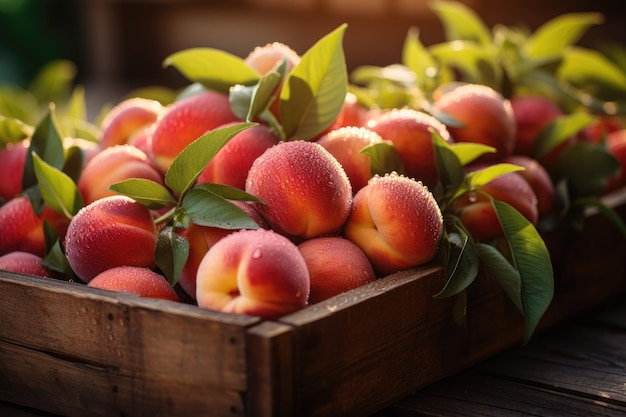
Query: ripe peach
346	144
408	130
485	116
21	228
24	263
354	113
305	191
396	221
532	114
231	164
185	121
135	280
12	161
114	164
539	179
335	265
616	145
601	128
127	118
201	239
264	58
477	213
112	231
256	272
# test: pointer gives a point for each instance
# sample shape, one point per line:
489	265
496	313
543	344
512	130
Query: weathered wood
146	348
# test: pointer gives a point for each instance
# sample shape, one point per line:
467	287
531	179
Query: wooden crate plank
394	338
57	385
143	338
270	370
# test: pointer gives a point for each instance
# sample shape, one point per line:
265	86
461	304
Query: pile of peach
326	224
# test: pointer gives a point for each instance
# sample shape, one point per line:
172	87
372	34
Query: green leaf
207	208
17	103
247	102
228	192
213	68
449	165
314	92
53	82
460	260
384	158
530	257
147	192
489	173
593	72
554	36
586	168
506	275
461	22
468	152
190	162
612	215
58	190
47	143
13	130
477	63
417	58
171	253
56	261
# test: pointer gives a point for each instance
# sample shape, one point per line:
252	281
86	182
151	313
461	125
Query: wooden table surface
575	369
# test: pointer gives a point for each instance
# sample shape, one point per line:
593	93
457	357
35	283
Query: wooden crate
73	350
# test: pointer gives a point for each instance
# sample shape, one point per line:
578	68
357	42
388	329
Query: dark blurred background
120	44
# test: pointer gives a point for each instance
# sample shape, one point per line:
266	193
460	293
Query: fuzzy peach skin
397	223
231	164
24	263
135	280
305	190
12	161
532	113
127	118
477	213
112	231
186	120
335	265
408	131
486	117
21	229
201	239
113	164
539	179
345	144
256	272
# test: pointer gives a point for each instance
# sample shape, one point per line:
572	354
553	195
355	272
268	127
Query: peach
335	265
12	161
128	117
256	272
345	144
112	231
539	179
231	164
135	280
114	164
185	121
616	145
201	239
354	113
477	213
265	58
24	263
601	128
21	228
408	130
396	222
532	114
484	115
304	189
